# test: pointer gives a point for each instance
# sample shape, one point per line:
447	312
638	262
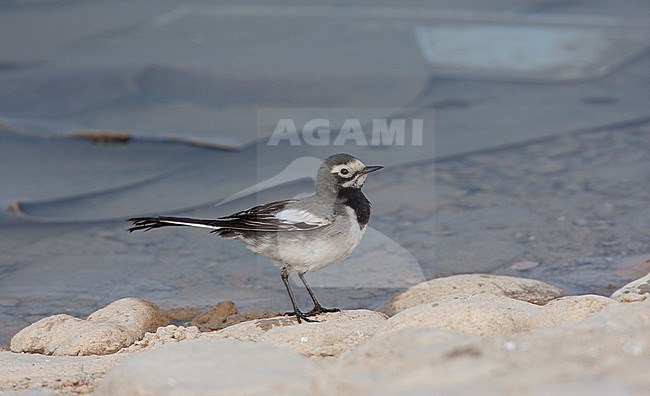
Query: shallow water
561	209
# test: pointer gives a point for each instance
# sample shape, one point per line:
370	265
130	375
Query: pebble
524	265
551	167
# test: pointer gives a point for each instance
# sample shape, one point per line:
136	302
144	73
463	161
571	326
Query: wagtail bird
299	235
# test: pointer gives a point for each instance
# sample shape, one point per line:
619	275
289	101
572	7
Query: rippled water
67	250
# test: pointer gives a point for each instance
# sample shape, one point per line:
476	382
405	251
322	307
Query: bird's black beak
370	169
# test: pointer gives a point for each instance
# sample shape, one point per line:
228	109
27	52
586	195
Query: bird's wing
274	217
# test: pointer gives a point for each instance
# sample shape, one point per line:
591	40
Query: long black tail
149	223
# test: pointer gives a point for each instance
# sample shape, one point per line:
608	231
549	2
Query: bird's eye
344	171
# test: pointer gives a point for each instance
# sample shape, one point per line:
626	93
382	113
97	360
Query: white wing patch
293	216
189	224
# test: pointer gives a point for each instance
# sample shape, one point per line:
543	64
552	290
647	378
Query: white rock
610	348
486	314
211	367
165	335
334	334
482	314
523	289
607	353
65	374
412	361
570	309
106	331
637	290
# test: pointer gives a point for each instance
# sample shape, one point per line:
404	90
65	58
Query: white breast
321	248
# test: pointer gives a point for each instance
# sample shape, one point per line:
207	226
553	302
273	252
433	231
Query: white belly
319	249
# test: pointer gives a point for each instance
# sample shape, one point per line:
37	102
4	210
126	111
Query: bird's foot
319	310
300	315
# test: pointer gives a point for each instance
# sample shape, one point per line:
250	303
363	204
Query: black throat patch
354	198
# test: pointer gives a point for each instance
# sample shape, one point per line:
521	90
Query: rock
462	344
214	367
64	374
530	290
164	335
245	317
482	314
428	344
487	314
570	309
611	346
106	331
334	334
253	329
411	361
524	265
637	290
222	315
215	318
607	353
182	314
549	167
138	314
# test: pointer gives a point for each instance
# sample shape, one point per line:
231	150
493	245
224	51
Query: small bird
299	235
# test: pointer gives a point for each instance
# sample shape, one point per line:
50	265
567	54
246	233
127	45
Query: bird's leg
318	309
299	315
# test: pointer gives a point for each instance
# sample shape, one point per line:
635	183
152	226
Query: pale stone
607	353
609	347
529	290
410	361
165	335
106	331
212	367
486	314
64	374
570	309
482	314
637	290
334	334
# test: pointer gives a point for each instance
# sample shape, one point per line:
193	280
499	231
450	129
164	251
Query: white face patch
357	182
349	170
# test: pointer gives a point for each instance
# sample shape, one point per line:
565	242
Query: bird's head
342	171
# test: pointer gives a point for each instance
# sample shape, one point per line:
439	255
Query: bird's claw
319	310
300	315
